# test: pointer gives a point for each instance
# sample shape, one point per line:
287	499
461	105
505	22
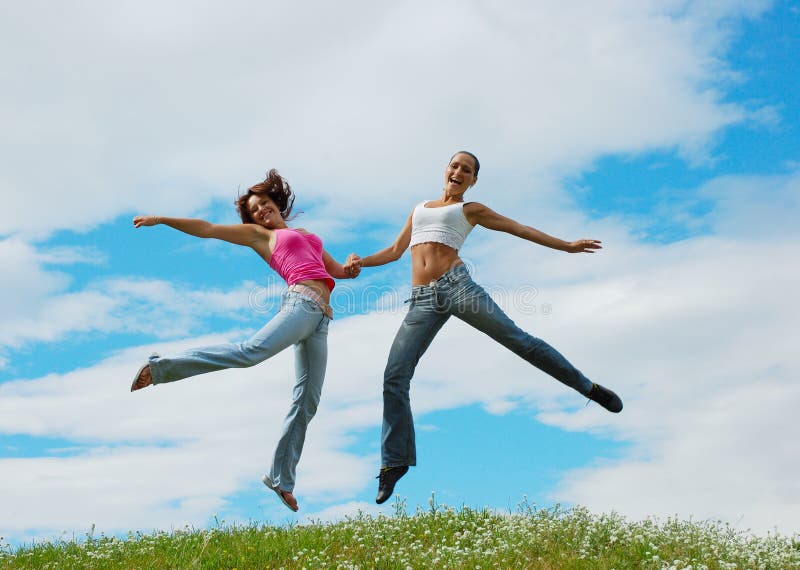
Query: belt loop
310	293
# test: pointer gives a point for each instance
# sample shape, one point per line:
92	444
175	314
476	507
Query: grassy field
440	537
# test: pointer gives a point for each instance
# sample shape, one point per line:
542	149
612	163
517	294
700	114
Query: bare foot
143	379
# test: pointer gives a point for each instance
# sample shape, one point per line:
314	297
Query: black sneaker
605	397
386	481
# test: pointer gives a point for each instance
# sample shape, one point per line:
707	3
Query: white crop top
444	224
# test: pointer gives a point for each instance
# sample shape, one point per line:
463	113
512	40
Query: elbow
206	230
397	253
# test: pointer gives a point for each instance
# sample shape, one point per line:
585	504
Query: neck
452	198
282	226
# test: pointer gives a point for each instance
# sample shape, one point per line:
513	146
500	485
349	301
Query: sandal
139	381
284	496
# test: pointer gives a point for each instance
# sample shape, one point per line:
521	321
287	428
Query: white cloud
72	255
28	282
38	304
154	109
723	452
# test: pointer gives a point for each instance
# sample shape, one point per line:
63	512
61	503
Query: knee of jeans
530	342
305	412
251	354
521	340
544	349
396	388
310	410
397	376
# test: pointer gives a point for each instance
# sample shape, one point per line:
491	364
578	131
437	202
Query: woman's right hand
352	265
139	221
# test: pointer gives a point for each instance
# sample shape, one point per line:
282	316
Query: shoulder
477	213
259	230
472	208
416	207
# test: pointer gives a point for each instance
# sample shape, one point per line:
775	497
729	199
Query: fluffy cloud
39	304
155	109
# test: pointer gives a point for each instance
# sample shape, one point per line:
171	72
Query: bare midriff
320	287
431	260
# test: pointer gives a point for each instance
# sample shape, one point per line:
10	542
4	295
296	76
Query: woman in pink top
302	319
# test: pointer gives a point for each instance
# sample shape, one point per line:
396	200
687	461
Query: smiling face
263	211
460	174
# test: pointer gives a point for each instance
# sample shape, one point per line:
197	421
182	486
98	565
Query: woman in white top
441	287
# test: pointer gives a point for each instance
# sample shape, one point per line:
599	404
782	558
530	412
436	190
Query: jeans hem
155	375
400	464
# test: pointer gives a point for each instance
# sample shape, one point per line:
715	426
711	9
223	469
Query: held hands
352	265
139	221
584	246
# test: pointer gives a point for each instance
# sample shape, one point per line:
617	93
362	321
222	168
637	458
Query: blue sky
669	130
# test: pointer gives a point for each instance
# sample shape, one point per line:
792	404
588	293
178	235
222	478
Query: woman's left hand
584	246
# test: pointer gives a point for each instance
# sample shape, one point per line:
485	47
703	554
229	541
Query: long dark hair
276	188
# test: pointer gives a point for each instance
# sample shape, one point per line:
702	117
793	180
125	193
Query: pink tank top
297	256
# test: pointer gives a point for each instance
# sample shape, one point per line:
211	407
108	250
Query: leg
311	356
285	328
475	307
416	333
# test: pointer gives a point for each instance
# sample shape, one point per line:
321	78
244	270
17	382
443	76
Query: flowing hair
273	186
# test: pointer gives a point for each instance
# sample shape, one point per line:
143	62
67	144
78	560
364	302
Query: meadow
437	537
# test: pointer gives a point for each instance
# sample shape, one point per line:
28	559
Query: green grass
440	537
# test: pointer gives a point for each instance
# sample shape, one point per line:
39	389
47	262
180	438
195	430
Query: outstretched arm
387	255
240	234
338	270
482	215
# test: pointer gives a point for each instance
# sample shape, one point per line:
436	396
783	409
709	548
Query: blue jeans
299	322
454	293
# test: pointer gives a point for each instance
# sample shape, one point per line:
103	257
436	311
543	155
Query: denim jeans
454	293
299	322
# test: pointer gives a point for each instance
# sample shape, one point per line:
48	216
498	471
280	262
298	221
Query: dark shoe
605	397
286	497
386	481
